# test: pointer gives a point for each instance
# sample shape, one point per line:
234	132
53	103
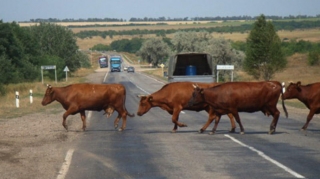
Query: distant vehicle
125	68
195	67
130	69
115	63
103	61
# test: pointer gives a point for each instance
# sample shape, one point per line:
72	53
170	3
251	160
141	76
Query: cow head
292	91
197	96
48	96
145	104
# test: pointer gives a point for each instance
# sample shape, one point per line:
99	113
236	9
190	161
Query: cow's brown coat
77	98
308	95
173	98
234	97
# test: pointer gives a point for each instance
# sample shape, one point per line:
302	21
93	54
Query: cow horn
194	86
140	95
49	86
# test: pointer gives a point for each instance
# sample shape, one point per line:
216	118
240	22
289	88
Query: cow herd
216	99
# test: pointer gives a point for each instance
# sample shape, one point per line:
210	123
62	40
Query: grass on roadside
8	107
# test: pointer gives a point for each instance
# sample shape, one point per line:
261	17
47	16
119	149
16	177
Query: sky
24	10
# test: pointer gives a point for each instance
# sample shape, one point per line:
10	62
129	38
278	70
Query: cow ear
150	98
298	83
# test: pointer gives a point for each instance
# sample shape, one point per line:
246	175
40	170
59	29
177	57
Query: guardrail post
31	97
283	87
17	99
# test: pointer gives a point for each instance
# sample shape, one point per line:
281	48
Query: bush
313	58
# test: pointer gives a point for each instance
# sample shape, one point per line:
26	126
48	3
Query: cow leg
273	125
124	121
218	117
116	121
209	121
71	110
236	115
83	118
309	117
211	116
175	118
64	124
233	124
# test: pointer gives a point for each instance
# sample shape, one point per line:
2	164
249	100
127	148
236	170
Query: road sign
48	67
225	67
162	65
66	69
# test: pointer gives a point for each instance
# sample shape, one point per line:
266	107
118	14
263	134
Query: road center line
295	174
65	166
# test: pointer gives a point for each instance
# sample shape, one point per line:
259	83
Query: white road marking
295	174
65	166
105	76
67	161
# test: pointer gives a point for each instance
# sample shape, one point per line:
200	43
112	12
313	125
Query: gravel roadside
35	145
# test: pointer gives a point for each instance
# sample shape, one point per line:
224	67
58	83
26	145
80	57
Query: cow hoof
211	133
272	132
173	131
232	130
120	130
242	133
302	129
201	131
116	126
184	125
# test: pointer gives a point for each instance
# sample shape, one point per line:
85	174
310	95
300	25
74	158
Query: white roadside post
66	69
162	65
283	87
31	97
17	99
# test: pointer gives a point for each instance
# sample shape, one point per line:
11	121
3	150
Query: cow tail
283	106
124	105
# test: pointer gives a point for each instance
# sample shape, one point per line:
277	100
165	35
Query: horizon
21	10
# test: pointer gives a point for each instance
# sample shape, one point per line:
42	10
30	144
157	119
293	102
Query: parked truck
195	67
115	63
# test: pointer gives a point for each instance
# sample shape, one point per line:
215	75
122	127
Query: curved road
148	149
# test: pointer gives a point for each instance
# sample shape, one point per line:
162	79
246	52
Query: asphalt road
148	149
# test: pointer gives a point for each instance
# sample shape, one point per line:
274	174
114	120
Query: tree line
23	50
260	60
279	25
148	19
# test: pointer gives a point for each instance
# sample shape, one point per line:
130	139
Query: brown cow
77	98
173	98
308	95
234	97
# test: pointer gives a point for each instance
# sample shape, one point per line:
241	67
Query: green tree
189	41
154	51
18	49
313	57
264	56
58	41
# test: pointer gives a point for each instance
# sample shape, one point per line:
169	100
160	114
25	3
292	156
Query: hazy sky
24	10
